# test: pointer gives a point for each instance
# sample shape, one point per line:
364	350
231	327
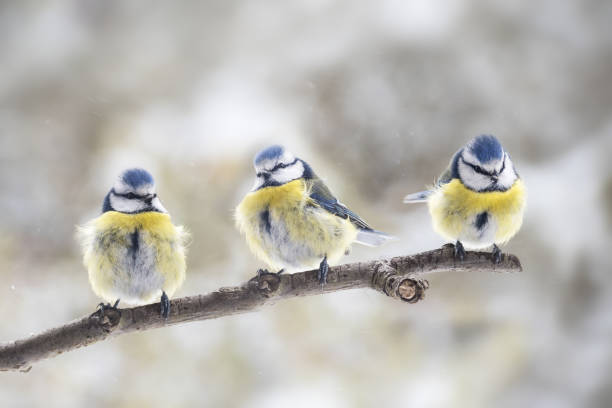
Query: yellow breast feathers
453	204
109	242
292	194
286	229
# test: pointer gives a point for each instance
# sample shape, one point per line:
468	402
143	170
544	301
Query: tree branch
396	277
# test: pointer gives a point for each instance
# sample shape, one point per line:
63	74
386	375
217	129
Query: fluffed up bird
132	251
292	221
479	200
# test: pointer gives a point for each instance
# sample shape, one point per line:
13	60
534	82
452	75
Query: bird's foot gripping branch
399	277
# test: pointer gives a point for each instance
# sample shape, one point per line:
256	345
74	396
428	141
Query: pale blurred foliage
377	96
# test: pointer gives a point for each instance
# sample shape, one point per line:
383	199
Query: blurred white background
376	96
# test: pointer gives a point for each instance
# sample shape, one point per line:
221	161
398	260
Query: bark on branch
397	277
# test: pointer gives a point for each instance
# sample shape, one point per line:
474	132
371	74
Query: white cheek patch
508	176
471	178
259	181
287	174
125	205
156	203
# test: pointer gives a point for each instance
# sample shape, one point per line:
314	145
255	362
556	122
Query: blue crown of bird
292	221
479	200
132	251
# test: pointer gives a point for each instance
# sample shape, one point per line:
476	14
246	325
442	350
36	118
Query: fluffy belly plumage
477	219
133	257
286	231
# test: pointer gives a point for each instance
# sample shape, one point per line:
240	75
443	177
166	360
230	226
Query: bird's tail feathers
372	238
419	197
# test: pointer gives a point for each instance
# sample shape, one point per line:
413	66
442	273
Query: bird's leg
100	309
459	251
323	269
496	254
165	305
105	306
258	278
261	272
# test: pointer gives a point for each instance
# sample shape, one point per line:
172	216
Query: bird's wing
321	195
447	176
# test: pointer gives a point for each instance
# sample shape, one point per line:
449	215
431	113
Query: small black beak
150	198
494	178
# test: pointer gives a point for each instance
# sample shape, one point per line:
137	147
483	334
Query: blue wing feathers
321	195
447	176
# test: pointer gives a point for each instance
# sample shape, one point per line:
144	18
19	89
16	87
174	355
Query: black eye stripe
130	195
479	169
283	165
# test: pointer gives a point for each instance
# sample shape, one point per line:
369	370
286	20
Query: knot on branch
387	280
382	272
411	290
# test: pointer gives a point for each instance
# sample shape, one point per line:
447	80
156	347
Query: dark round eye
480	170
130	196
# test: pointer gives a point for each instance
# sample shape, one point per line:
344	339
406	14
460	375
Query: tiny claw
258	278
496	254
99	310
459	251
323	270
261	272
165	305
104	306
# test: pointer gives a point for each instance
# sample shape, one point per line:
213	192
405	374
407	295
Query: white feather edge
373	238
420	197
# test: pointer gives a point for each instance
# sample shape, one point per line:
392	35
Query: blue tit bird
479	200
292	221
132	251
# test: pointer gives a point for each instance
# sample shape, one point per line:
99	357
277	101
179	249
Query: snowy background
376	96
